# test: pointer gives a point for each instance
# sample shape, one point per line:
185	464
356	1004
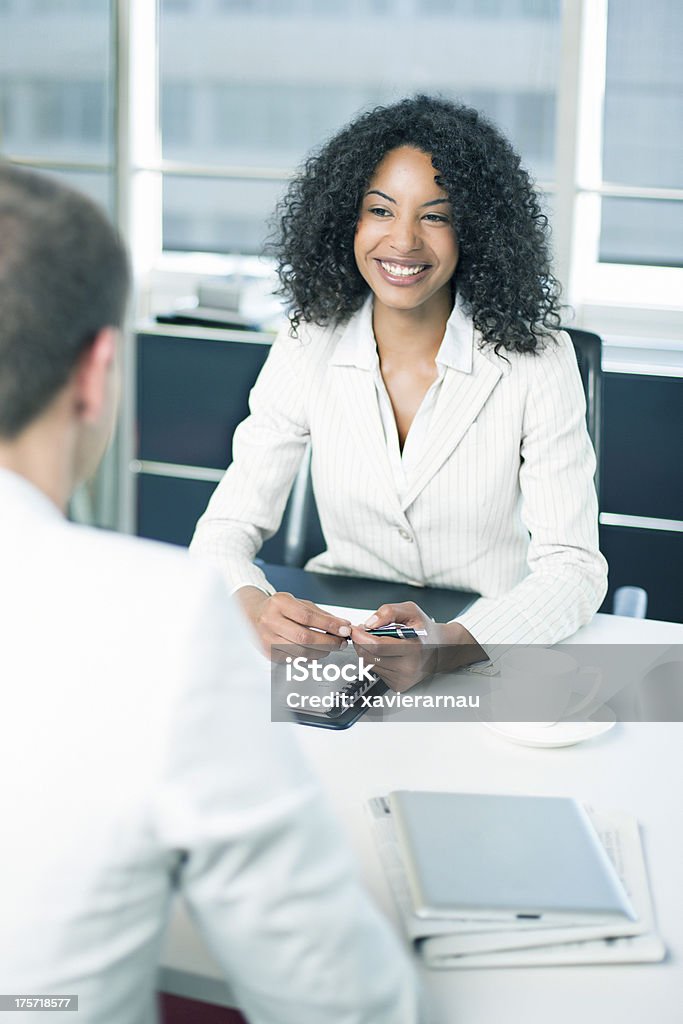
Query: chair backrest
588	349
303	534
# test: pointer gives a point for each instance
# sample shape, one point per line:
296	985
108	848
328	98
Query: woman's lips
402	274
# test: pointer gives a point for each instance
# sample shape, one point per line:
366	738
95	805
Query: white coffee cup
538	684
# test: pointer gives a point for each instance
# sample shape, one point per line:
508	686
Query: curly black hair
504	273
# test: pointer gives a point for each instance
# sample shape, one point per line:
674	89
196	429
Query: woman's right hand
288	627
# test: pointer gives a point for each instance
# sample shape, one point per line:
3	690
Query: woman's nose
404	236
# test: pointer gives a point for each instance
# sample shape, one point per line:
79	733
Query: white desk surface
637	767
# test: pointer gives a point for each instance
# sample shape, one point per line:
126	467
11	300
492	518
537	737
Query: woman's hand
288	627
400	663
403	663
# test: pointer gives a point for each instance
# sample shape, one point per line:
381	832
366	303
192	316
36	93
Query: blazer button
405	535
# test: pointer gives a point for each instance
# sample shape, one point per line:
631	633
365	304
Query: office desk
635	767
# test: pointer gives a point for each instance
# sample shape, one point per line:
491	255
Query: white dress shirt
498	497
455	351
138	759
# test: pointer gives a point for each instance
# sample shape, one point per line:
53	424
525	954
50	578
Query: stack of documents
469	939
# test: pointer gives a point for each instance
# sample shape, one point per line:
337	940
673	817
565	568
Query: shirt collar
356	345
19	497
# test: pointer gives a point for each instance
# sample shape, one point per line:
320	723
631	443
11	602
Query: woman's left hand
403	663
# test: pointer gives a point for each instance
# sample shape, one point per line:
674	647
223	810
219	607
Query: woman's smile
405	244
402	273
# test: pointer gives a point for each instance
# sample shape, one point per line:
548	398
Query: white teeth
397	270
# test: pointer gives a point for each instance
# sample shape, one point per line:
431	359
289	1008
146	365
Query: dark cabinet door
642	444
652	559
191	394
168	509
642	476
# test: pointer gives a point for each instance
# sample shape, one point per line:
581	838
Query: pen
398	632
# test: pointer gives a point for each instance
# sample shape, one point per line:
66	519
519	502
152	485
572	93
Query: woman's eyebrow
390	199
376	192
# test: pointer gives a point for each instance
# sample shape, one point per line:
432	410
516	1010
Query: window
97	186
643	132
646	232
217	216
56	86
178	122
6	107
56	112
68	112
257	107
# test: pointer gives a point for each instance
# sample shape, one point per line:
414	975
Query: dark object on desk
359	592
346	718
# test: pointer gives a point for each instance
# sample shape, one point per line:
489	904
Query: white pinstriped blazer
503	502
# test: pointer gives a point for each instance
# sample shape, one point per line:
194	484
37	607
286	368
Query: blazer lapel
461	399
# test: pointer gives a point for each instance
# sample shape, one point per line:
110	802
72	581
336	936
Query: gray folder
479	856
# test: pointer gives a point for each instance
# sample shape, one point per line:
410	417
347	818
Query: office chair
628	601
588	350
303	533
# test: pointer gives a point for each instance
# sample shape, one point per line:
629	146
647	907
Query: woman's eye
437	217
379	211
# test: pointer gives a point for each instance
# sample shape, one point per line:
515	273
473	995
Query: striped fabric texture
502	501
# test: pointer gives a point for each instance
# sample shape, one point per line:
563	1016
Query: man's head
63	288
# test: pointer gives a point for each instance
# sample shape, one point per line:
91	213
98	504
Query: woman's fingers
307	618
400	663
289	627
374	647
406	612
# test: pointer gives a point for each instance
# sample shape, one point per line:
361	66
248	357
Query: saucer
562	734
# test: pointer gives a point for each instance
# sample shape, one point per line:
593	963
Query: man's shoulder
137	571
109	545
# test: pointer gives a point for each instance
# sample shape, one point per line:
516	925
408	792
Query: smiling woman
444	409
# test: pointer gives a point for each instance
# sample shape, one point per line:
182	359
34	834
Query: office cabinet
641	502
642	446
191	394
652	559
192	391
168	508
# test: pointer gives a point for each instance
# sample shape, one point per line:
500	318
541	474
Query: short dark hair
504	271
63	277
